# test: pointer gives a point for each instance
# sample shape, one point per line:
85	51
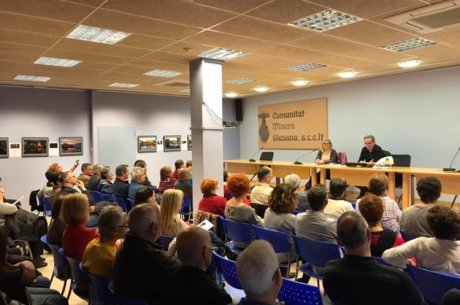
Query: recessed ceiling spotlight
96	34
57	62
324	20
261	89
347	74
409	63
123	85
162	73
222	54
231	94
32	78
299	82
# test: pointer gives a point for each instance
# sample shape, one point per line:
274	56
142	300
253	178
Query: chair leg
63	287
453	201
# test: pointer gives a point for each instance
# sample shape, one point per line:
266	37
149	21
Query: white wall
32	112
416	113
28	112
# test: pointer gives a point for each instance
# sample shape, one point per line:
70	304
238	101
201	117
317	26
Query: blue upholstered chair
297	293
237	232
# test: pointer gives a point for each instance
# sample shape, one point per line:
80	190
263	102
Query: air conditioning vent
430	19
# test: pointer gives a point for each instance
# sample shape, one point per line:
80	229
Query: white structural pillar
207	130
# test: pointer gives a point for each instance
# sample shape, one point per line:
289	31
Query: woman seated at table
325	156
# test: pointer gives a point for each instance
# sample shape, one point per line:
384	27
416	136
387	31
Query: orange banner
294	125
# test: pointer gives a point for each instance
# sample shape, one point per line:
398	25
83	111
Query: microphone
450	169
252	157
304	155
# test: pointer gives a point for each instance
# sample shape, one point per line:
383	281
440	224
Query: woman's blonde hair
75	209
171	203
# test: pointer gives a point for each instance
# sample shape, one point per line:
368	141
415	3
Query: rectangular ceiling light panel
96	34
239	81
57	62
410	44
222	54
32	78
123	85
306	66
325	20
162	73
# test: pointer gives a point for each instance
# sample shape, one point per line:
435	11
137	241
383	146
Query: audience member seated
86	173
121	184
189	165
451	297
143	165
211	202
279	215
145	195
259	275
314	224
47	190
57	167
438	253
413	219
96	177
70	185
184	184
261	192
302	201
57	224
336	204
171	202
191	282
75	211
228	195
5	207
105	185
140	270
372	207
357	279
100	253
14	280
177	166
137	181
167	180
378	185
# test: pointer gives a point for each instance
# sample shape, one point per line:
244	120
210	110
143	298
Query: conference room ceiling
168	34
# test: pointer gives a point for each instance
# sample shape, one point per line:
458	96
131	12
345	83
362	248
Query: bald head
193	247
352	230
144	221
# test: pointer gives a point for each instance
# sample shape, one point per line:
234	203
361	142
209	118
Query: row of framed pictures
40	146
146	144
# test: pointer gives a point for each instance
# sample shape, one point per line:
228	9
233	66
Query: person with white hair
138	177
302	201
259	274
140	270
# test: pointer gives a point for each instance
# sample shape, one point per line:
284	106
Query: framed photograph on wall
146	144
71	146
189	142
4	149
35	147
172	143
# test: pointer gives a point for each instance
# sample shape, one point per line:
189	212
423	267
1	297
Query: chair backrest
100	294
279	240
433	285
164	241
80	278
228	270
123	203
403	161
342	157
318	253
406	236
47	205
186	206
61	268
298	293
259	208
98	196
239	232
266	156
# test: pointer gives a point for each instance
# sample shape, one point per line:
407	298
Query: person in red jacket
211	202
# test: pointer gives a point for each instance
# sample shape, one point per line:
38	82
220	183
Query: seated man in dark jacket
357	279
191	282
140	270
